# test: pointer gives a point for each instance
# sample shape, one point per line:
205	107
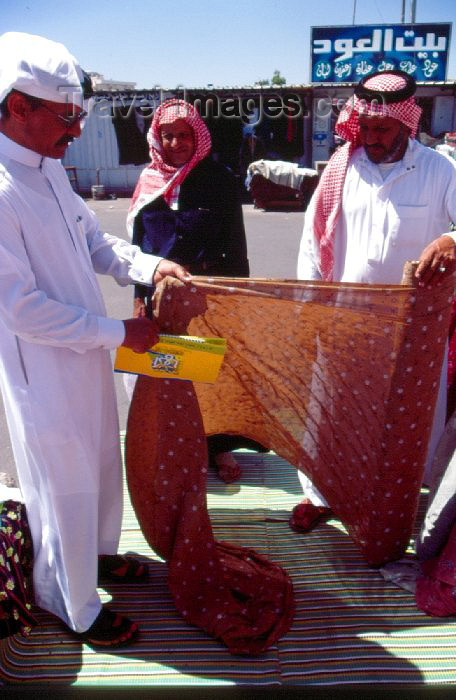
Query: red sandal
109	630
121	569
305	516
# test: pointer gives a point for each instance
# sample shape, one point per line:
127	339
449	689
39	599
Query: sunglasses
68	121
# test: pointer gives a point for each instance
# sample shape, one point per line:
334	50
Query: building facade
294	124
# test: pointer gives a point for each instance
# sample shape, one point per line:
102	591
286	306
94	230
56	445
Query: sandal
109	630
121	569
305	516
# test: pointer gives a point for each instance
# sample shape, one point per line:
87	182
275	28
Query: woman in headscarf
187	208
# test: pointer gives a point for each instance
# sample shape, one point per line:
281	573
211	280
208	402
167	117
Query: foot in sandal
109	630
228	469
121	569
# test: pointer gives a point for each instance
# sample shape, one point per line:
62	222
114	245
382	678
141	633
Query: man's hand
139	308
140	334
436	260
169	268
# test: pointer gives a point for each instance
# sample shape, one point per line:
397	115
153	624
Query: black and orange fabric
338	379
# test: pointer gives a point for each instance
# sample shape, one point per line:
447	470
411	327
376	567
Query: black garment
228	443
206	233
131	141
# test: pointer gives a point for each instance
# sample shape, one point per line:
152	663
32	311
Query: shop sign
347	54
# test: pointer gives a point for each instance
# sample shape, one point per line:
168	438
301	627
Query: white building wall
95	155
444	114
96	158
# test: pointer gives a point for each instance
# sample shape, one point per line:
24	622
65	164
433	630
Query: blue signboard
347	54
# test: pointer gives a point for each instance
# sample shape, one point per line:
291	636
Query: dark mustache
65	140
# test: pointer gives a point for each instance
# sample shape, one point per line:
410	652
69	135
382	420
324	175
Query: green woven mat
350	627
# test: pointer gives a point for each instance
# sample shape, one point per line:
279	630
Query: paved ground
273	242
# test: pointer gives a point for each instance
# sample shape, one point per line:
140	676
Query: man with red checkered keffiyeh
383	199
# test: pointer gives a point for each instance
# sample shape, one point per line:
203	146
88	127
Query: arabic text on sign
381	40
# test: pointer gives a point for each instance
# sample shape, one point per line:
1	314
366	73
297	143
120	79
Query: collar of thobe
19	153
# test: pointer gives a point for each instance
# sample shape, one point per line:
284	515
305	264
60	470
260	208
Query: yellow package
176	357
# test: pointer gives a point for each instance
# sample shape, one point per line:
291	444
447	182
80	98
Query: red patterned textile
231	592
159	178
338	379
436	589
329	191
452	348
451	373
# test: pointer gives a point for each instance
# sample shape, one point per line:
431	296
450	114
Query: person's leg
77	517
438	423
67	567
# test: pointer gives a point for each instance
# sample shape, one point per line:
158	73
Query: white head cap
39	67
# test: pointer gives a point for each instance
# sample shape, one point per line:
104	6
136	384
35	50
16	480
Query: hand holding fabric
436	260
168	268
140	334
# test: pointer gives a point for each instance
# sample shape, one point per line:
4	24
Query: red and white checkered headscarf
160	178
330	188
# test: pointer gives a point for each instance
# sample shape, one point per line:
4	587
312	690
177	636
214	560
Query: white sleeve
113	256
31	314
309	255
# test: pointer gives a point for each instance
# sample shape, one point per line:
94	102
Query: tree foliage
277	79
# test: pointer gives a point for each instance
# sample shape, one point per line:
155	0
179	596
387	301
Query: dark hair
34	102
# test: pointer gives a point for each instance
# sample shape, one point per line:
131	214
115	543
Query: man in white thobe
55	367
382	200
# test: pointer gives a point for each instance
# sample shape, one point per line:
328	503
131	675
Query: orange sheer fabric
339	379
